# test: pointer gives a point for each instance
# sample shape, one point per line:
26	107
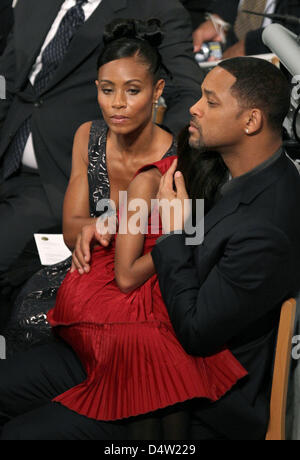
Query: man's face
216	119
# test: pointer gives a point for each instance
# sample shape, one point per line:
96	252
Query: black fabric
29	382
54	422
13	157
197	10
24	210
6	22
172	424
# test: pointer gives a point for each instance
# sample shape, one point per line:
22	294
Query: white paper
51	248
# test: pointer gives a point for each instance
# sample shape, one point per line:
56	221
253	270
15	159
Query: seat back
276	430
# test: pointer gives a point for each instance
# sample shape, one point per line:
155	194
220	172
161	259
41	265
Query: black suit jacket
254	44
229	290
71	98
197	10
6	22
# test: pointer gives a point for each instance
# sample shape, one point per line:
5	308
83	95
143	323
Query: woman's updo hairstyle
124	38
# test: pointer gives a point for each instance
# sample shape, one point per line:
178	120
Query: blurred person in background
198	10
243	32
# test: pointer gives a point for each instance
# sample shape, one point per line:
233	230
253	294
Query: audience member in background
116	358
229	290
49	65
245	34
6	22
197	10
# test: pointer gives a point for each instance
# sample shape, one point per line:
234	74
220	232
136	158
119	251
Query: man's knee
29	427
17	430
11	432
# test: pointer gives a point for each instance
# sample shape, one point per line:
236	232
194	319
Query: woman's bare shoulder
81	142
83	132
146	182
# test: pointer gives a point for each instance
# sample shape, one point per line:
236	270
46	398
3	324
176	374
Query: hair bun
149	30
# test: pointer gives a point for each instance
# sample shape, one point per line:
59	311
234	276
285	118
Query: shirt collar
232	183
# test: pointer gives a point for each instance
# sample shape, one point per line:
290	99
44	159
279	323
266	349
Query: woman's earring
247	131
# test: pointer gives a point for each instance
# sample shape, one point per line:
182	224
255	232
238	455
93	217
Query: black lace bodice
99	187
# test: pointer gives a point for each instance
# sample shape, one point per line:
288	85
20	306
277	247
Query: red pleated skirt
126	342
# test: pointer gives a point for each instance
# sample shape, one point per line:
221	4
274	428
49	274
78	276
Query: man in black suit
252	43
228	291
6	22
51	106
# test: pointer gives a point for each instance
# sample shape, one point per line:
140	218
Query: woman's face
126	94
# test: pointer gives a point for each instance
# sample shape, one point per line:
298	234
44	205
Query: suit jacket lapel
42	17
245	192
88	38
225	206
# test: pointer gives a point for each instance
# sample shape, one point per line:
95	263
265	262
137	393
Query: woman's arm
76	212
132	269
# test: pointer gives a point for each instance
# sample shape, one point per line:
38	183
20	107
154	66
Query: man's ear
159	89
254	121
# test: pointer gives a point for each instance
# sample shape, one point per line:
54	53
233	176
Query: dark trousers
30	380
24	210
28	383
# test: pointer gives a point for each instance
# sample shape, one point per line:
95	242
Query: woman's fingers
78	257
76	265
166	190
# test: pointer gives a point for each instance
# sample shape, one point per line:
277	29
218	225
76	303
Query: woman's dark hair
204	171
125	38
262	85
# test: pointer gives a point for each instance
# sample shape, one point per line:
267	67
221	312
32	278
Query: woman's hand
86	240
174	206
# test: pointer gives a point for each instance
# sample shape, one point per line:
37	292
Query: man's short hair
261	85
